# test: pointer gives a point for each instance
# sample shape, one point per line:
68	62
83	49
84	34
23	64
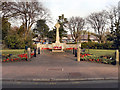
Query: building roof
92	37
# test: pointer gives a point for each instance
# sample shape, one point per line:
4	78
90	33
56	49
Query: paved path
50	65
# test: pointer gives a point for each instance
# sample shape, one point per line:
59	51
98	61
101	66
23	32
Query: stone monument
57	46
57	33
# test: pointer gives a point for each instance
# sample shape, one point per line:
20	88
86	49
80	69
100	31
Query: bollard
73	51
35	52
31	50
117	57
28	54
38	50
78	52
26	48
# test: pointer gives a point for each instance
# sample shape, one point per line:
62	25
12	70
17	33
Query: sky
70	8
81	8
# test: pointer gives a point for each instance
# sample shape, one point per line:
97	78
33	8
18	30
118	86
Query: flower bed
93	58
12	58
69	48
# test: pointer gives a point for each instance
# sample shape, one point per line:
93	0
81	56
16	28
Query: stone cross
57	25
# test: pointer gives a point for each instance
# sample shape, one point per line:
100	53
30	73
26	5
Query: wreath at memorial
57	47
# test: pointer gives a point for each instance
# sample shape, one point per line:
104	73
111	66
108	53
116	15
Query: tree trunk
27	31
76	40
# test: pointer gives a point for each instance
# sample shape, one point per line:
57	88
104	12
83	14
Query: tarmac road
72	84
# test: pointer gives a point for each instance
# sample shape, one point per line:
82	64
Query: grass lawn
13	51
101	52
97	52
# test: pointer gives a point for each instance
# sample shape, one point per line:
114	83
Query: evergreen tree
42	28
62	21
116	35
52	35
5	27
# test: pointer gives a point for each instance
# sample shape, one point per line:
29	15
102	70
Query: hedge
95	45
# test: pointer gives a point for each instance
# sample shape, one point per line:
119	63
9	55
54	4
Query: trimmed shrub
95	45
16	42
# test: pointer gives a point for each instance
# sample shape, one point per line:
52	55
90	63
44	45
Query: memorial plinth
57	46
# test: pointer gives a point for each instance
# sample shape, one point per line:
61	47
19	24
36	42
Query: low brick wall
49	46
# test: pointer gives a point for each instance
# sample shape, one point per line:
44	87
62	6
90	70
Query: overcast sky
76	7
71	8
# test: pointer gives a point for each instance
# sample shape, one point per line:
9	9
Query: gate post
78	52
117	57
38	50
28	54
35	52
73	50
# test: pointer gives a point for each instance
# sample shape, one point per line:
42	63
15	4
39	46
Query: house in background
36	40
92	38
84	38
67	39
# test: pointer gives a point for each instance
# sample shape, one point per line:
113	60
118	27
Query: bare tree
98	22
76	25
113	16
28	12
114	20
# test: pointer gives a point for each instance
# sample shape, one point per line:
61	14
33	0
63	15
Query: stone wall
49	46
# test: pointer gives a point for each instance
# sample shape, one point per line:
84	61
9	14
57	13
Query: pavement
49	66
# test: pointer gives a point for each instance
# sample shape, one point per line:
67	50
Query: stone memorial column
57	33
